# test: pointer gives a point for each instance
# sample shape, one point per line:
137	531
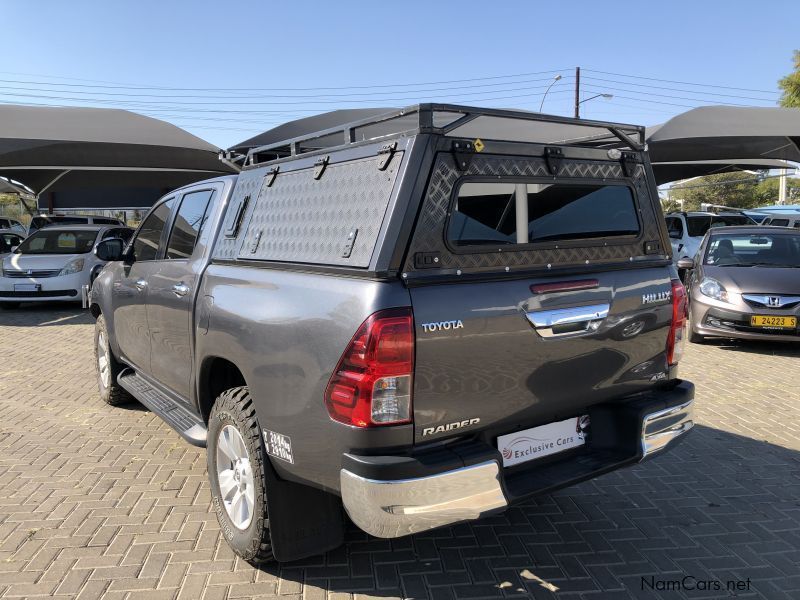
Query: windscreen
753	250
54	241
485	213
699	224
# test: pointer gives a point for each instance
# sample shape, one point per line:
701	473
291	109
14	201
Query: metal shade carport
712	133
60	149
666	172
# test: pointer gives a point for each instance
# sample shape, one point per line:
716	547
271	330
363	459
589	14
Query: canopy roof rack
458	121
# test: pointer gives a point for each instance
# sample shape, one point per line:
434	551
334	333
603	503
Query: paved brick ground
104	502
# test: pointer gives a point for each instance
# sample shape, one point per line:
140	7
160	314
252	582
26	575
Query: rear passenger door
172	292
131	283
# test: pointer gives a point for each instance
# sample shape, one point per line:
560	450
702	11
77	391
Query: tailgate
498	355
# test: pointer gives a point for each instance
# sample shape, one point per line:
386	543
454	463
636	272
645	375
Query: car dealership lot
96	500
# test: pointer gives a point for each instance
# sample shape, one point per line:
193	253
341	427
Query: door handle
180	289
588	317
140	284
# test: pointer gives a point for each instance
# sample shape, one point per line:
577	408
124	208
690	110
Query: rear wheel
236	471
107	367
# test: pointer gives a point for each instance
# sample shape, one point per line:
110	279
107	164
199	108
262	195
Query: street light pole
552	83
591	98
577	92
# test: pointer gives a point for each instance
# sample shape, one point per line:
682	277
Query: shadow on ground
718	508
43	314
790	349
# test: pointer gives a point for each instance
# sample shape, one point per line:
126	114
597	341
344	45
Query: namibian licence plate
778	322
537	442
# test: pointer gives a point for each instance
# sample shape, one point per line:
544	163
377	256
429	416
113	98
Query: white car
13	225
686	230
783	220
54	263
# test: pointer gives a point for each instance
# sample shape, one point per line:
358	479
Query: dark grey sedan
744	282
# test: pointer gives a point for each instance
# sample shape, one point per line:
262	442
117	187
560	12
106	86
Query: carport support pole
48	186
521	203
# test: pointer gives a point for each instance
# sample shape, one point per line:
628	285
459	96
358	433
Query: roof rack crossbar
424	123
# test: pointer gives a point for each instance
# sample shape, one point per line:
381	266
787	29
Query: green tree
737	190
790	85
766	192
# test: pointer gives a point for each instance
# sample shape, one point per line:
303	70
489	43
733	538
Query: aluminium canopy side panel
306	220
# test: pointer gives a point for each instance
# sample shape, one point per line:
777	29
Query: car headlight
714	289
73	266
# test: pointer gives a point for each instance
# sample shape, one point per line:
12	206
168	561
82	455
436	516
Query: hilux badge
655	297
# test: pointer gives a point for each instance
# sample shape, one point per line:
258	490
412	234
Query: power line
775	95
260	96
616	89
354	87
720	87
315	100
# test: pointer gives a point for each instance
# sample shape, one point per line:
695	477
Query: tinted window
779	222
8	241
54	241
4	224
145	246
188	223
123	233
485	213
105	221
675	227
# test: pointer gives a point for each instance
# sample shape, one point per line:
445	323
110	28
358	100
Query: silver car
744	282
54	263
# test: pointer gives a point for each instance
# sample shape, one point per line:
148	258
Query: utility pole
577	92
782	187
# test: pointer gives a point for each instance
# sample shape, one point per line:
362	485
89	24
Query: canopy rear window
504	213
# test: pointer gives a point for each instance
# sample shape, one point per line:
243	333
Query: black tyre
107	367
236	471
9	305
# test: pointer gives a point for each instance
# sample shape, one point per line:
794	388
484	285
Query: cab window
145	245
188	224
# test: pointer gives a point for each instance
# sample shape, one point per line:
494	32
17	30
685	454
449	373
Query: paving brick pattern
109	502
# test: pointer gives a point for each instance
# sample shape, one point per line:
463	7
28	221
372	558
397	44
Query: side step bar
186	423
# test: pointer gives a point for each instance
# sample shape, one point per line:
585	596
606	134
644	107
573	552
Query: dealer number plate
778	322
530	444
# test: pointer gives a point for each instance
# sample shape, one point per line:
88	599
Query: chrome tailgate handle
589	316
180	289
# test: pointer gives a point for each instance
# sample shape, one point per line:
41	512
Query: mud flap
303	521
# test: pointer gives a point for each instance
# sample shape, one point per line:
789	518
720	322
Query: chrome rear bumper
394	507
662	427
389	509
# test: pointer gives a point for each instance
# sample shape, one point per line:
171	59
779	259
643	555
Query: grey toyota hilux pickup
420	318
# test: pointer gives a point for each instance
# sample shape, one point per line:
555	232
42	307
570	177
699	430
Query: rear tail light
372	382
677	330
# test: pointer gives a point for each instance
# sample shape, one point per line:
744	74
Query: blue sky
226	71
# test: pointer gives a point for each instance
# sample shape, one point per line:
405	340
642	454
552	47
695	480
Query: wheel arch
217	374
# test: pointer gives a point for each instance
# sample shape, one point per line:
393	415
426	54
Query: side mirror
110	249
14	248
685	263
